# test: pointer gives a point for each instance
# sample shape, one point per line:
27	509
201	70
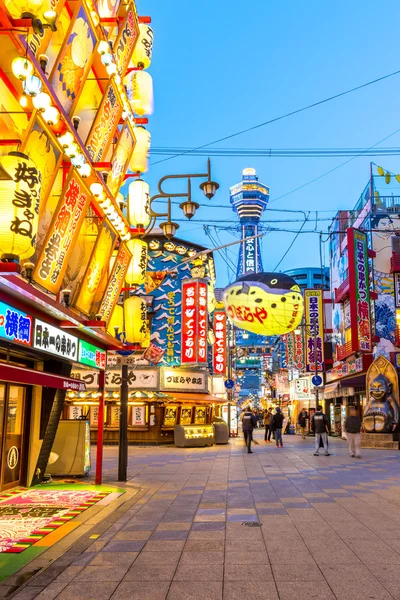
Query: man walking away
267	423
302	422
277	423
320	428
352	426
249	421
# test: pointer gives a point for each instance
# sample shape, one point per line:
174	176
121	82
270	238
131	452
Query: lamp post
189	207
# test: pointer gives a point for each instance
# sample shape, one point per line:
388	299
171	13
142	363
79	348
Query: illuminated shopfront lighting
85	170
140	154
117	80
22	67
32	85
66	139
141	57
136	273
97	189
135	319
50	16
23	101
103	47
107	58
112	69
72	150
139	88
126	237
78	161
42	101
51	115
138	202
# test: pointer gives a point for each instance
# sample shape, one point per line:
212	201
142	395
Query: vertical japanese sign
313	310
250	259
126	41
359	291
194	322
62	234
121	157
115	282
219	347
104	125
298	350
290	351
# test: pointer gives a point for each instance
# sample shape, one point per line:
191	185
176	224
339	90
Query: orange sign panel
104	125
114	286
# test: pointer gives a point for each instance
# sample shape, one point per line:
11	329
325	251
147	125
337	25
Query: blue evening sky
220	66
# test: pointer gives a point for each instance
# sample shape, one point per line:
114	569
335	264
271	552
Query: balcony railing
342	291
344	351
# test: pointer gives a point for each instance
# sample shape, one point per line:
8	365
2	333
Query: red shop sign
194	322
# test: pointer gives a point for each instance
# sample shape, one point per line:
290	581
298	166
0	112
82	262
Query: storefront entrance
12	417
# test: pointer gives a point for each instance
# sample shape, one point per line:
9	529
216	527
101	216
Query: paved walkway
330	528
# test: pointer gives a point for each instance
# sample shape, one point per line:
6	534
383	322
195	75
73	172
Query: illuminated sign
62	234
91	355
121	157
15	326
115	283
180	380
55	341
359	291
250	256
219	347
298	350
104	125
313	301
126	41
194	321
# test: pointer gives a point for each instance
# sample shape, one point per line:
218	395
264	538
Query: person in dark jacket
352	426
277	423
302	422
320	427
267	423
249	421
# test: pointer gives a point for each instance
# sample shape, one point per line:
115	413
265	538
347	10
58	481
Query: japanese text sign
194	321
180	380
219	347
55	341
105	124
62	234
359	291
313	301
126	41
91	355
15	326
250	256
120	158
298	350
170	355
115	283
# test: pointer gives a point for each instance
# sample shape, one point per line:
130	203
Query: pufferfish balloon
265	303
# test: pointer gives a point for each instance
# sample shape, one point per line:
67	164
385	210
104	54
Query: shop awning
192	398
25	376
330	390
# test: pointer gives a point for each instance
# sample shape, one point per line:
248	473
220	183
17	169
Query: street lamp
188	207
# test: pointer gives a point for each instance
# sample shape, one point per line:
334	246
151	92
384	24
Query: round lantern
135	319
20	186
32	85
265	303
140	154
22	67
136	273
141	57
139	89
138	203
18	7
116	320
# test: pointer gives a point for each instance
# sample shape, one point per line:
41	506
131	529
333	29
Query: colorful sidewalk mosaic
27	516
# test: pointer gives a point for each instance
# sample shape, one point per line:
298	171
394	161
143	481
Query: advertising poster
74	61
121	157
313	310
61	236
105	124
359	291
15	326
53	340
194	322
126	41
115	282
220	344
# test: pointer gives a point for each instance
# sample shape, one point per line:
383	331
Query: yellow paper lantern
135	318
265	303
17	7
141	57
116	320
20	186
381	172
138	203
136	273
139	88
22	67
140	154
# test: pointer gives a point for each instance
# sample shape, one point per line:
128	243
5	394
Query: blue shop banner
15	326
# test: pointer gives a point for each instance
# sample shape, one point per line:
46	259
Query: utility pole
123	426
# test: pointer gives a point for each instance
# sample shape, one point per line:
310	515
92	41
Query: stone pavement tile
51	591
124	546
152	559
156	573
299	571
140	526
256	590
354	582
304	514
212	572
204	546
374	551
132	536
114	558
176	526
141	590
206	535
164	546
27	593
169	535
208	526
303	590
190	558
246	545
240	557
199	590
102	573
92	590
253	572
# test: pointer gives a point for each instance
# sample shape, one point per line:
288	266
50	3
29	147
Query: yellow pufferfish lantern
265	303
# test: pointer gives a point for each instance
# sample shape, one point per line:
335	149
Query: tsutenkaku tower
249	199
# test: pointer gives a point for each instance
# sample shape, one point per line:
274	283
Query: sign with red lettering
359	291
219	347
313	301
104	125
194	322
298	350
64	229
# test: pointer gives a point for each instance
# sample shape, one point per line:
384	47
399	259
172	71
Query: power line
293	241
286	115
278	153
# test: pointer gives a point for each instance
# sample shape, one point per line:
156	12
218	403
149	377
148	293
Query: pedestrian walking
249	421
352	426
277	423
267	424
320	427
302	422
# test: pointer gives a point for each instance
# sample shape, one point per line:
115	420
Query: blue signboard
15	326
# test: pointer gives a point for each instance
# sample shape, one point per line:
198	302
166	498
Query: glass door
12	438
